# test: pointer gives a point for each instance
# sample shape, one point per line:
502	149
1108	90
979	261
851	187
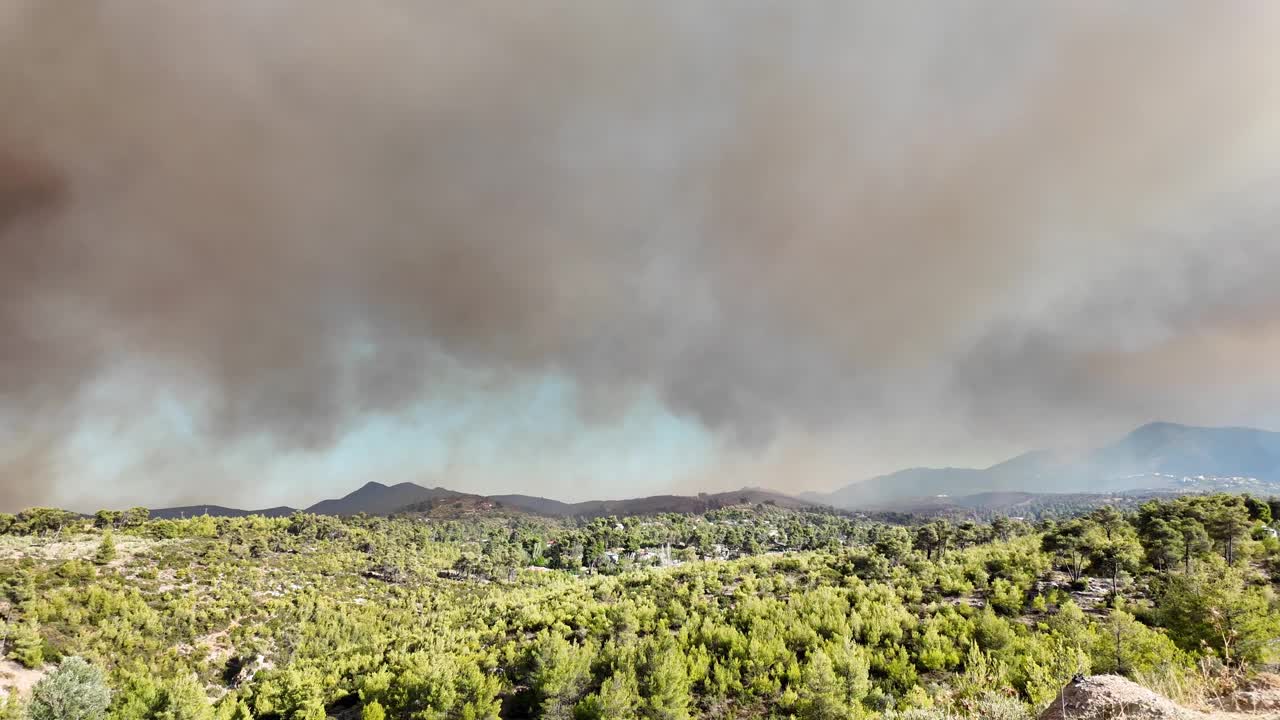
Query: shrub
76	690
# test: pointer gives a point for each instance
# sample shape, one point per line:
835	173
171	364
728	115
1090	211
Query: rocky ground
1110	697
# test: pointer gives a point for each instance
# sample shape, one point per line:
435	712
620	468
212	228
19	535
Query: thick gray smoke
817	225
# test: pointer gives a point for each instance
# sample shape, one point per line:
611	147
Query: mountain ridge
1155	456
187	511
1158	456
702	502
374	498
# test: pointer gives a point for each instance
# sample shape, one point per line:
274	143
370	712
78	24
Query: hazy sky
263	251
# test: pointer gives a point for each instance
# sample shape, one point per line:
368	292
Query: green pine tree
183	698
232	709
822	695
618	699
561	672
11	706
666	682
373	711
28	646
106	549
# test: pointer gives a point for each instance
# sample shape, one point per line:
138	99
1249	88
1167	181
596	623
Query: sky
262	252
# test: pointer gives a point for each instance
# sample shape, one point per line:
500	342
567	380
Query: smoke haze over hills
605	250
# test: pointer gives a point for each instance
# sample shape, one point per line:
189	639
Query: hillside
241	619
687	504
910	483
1154	457
453	507
177	513
374	498
378	499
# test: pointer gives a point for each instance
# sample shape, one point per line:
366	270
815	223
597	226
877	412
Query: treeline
1203	561
1166	535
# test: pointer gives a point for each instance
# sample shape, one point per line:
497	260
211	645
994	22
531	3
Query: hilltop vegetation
748	611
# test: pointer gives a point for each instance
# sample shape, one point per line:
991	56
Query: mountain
690	504
378	499
1156	456
1170	449
374	498
188	511
987	505
910	483
537	505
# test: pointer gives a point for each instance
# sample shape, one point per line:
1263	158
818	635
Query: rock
1111	697
241	671
1254	701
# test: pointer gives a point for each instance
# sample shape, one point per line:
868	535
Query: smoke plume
829	233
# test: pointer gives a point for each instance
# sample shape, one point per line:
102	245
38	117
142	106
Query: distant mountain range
377	499
177	513
1155	458
703	502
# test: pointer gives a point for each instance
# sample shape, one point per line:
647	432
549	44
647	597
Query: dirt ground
13	675
67	547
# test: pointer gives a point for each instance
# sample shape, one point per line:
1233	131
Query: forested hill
177	513
377	499
407	498
689	504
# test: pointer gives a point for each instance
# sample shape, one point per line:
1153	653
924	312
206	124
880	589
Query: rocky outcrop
1111	697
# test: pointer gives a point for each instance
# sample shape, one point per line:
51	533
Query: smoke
819	226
